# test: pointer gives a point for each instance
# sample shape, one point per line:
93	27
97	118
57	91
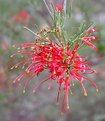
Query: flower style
88	38
64	66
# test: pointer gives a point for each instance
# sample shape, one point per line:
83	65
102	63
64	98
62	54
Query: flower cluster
23	17
63	64
53	51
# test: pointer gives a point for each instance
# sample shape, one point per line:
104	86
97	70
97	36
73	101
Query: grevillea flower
88	38
59	5
64	66
22	17
59	8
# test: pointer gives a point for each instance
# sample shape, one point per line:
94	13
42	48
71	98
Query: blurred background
16	106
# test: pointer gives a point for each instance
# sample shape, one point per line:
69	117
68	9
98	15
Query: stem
31	31
47	8
65	7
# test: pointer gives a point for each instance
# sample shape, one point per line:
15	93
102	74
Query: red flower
22	17
59	7
64	66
